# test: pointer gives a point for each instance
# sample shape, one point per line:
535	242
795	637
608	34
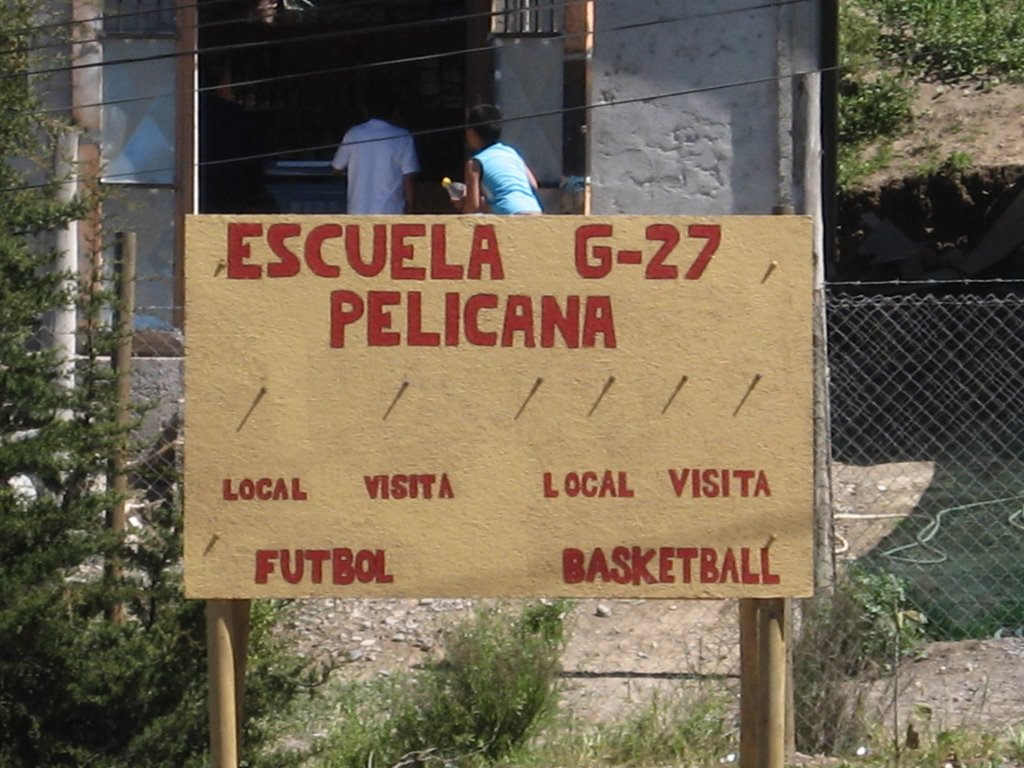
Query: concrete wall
689	116
157	387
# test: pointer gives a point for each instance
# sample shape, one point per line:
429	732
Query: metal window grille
139	17
526	17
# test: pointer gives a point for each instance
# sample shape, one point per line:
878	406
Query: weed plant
495	688
874	100
887	45
944	40
858	632
687	728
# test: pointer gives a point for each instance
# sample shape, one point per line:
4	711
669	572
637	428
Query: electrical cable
342	33
397	26
358	67
42	28
442	129
333	34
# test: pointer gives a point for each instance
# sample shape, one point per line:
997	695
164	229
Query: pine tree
54	439
75	688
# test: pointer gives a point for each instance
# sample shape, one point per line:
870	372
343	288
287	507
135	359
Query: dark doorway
282	80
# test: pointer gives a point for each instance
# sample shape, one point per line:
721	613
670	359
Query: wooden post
223	646
185	150
240	613
124	327
750	670
772	641
790	734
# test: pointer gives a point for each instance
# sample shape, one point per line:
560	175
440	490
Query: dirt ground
621	651
986	124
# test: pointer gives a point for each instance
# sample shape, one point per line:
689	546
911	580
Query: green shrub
687	728
77	689
860	630
495	687
952	40
873	109
875	100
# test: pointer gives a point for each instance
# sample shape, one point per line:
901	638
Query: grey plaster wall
687	104
158	385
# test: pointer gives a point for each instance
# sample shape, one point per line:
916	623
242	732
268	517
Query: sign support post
764	685
749	683
524	407
227	638
772	642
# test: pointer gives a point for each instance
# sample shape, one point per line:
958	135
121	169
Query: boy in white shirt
380	159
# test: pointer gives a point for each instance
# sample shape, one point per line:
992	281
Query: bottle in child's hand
456	189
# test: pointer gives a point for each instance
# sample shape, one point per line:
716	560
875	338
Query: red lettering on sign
239	250
346	308
713	483
417	336
378	256
407	250
402	252
666	565
589	484
347	566
598	321
440	269
287	264
378	318
596	263
471	319
553	319
409	486
713	234
657	269
263	489
452	319
484	252
477	320
313	254
518	319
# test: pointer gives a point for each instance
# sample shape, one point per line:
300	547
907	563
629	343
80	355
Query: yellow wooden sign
498	406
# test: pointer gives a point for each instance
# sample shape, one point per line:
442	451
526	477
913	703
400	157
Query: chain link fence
927	471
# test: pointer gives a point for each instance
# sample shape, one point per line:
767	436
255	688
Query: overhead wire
454	127
67	24
298	39
458	52
333	34
240	20
356	67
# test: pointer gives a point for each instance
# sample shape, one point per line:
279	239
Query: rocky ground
984	124
621	651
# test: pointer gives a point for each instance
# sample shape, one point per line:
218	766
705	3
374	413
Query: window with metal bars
147	18
526	17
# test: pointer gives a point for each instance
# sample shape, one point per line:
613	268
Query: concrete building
621	106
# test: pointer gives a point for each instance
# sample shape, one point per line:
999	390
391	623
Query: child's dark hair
381	101
485	119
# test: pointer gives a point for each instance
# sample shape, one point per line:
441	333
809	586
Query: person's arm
532	179
409	191
339	163
473	201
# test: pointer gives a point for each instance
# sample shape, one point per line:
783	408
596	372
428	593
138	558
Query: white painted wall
715	146
533	87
